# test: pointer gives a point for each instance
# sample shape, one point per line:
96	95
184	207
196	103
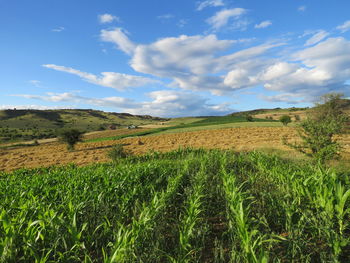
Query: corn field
183	206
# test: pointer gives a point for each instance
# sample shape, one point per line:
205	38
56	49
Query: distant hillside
275	113
38	124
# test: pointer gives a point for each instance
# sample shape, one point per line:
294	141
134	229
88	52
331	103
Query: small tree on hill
285	119
317	131
71	137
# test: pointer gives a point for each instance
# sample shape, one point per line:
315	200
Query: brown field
277	115
239	139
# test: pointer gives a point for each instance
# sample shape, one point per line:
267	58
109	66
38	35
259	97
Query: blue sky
172	58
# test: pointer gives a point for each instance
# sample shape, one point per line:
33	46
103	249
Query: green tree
318	130
71	137
285	119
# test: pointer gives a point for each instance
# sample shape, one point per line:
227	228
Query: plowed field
240	139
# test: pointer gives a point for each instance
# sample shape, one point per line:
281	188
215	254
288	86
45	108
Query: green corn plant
239	223
191	218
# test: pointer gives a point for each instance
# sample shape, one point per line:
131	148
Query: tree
318	130
71	137
285	119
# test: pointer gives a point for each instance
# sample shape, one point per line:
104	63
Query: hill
38	124
276	113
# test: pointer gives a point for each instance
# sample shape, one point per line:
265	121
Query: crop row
182	206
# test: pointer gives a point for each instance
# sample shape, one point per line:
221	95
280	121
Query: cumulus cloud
195	65
344	27
203	4
204	63
107	18
113	80
263	24
311	72
164	103
223	17
119	37
317	37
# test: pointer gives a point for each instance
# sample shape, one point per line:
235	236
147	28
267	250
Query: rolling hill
38	124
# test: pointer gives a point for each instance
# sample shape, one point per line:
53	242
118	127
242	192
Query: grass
182	206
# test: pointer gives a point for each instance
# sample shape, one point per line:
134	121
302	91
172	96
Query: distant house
132	126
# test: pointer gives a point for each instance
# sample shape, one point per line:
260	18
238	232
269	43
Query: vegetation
71	137
117	152
182	206
285	119
16	125
318	131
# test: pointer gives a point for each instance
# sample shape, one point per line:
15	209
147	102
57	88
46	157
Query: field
182	206
191	190
238	139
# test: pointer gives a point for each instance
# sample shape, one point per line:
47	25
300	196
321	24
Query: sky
171	58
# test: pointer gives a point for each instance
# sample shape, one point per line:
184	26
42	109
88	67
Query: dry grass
239	139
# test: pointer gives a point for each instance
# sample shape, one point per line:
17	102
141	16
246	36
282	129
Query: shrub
297	117
117	152
317	131
249	118
285	119
71	137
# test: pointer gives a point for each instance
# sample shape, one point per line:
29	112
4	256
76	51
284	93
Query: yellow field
240	139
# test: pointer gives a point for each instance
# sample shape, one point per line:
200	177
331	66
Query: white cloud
208	3
30	107
199	65
302	8
164	103
193	55
107	18
344	27
58	29
289	98
107	79
195	65
317	37
311	72
118	37
223	17
263	24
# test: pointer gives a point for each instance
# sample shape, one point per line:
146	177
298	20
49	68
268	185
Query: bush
317	132
297	117
117	152
285	119
249	118
71	137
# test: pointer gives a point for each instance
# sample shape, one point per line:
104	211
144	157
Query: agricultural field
95	148
181	206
